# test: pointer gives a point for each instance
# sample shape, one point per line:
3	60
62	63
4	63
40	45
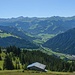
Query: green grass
50	52
38	41
1	61
19	72
33	26
41	38
3	35
1	64
44	38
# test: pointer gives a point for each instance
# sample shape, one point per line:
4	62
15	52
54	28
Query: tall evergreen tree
0	57
8	63
22	60
0	49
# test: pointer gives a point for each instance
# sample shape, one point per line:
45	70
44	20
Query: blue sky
36	8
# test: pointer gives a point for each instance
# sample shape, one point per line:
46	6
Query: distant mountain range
63	43
34	25
25	32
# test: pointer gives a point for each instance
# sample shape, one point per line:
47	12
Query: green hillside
3	35
12	36
63	43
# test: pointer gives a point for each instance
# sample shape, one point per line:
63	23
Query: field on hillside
17	72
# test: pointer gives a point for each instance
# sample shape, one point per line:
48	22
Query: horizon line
34	17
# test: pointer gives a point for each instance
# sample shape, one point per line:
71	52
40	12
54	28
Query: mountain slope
10	41
12	36
15	31
64	43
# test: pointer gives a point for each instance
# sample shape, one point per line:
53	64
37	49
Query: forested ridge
12	36
63	43
20	59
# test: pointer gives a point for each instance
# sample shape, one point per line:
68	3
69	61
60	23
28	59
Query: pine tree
8	63
71	68
17	65
22	60
0	57
0	49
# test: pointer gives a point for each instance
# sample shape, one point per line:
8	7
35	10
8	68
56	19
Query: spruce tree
22	60
0	57
8	63
0	49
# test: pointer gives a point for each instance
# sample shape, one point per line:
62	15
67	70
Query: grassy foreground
19	72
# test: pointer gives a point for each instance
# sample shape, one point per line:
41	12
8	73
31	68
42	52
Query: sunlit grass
1	64
44	38
3	35
19	72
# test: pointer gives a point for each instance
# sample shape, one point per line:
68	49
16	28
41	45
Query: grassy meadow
19	72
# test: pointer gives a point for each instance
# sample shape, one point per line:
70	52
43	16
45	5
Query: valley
47	40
